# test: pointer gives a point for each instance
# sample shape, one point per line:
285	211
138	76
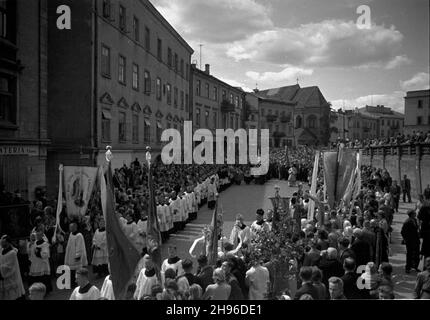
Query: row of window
173	60
228	121
421	122
180	98
391	122
122	128
7	99
214	94
276	113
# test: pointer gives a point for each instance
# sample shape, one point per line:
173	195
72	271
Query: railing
402	150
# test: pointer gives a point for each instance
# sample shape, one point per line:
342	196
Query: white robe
162	219
169	217
183	209
176	266
144	285
175	209
141	234
107	289
100	255
92	294
11	287
76	249
39	265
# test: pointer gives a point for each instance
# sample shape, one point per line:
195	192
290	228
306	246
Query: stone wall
414	161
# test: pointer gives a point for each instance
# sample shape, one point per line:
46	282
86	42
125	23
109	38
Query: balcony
286	119
227	107
271	118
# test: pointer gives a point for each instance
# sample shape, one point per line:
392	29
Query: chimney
207	68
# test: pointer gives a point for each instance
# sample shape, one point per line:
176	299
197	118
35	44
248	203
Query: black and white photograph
235	152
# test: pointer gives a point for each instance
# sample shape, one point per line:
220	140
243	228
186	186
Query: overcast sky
274	42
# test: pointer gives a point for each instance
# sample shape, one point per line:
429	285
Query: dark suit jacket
306	288
205	277
410	231
350	289
362	252
330	268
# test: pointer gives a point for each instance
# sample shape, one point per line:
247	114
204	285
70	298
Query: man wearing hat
85	290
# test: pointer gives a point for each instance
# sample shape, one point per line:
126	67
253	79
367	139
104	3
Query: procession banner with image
347	163
79	183
311	208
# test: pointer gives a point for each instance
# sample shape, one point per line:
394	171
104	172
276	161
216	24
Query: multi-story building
361	126
339	129
216	104
389	122
311	113
273	114
417	111
118	77
23	95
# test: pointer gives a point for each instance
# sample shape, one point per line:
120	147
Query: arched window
299	123
312	122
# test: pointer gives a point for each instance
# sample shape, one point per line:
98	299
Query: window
419	120
182	100
136	29
175	97
198	117
147	82
147	39
105	61
122	18
262	112
420	104
169	57
215	94
186	102
207	119
187	72
231	98
121	70
169	94
159	131
7	99
215	118
106	8
207	90
106	119
135	124
146	131
198	87
121	127
158	85
236	102
224	95
181	72
176	63
159	49
135	76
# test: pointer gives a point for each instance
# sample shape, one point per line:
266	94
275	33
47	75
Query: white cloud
216	21
398	61
420	81
235	83
393	100
269	79
327	43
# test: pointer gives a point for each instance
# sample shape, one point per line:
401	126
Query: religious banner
311	208
79	184
347	163
330	165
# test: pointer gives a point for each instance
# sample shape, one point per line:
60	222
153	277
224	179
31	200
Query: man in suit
406	188
344	250
307	286
350	288
205	272
361	248
368	235
411	237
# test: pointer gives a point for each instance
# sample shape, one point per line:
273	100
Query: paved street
246	199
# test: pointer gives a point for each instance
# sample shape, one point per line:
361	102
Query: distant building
311	113
119	77
390	123
417	111
275	115
361	126
339	129
23	96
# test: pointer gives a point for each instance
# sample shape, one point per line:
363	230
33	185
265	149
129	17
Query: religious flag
79	183
311	208
213	241
59	204
123	256
153	235
330	165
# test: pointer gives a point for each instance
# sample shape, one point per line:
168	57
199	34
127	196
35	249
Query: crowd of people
350	237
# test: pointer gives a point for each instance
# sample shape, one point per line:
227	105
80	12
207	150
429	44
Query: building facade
417	111
23	95
216	104
389	122
311	113
120	76
361	126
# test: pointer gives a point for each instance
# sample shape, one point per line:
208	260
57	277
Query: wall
400	161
